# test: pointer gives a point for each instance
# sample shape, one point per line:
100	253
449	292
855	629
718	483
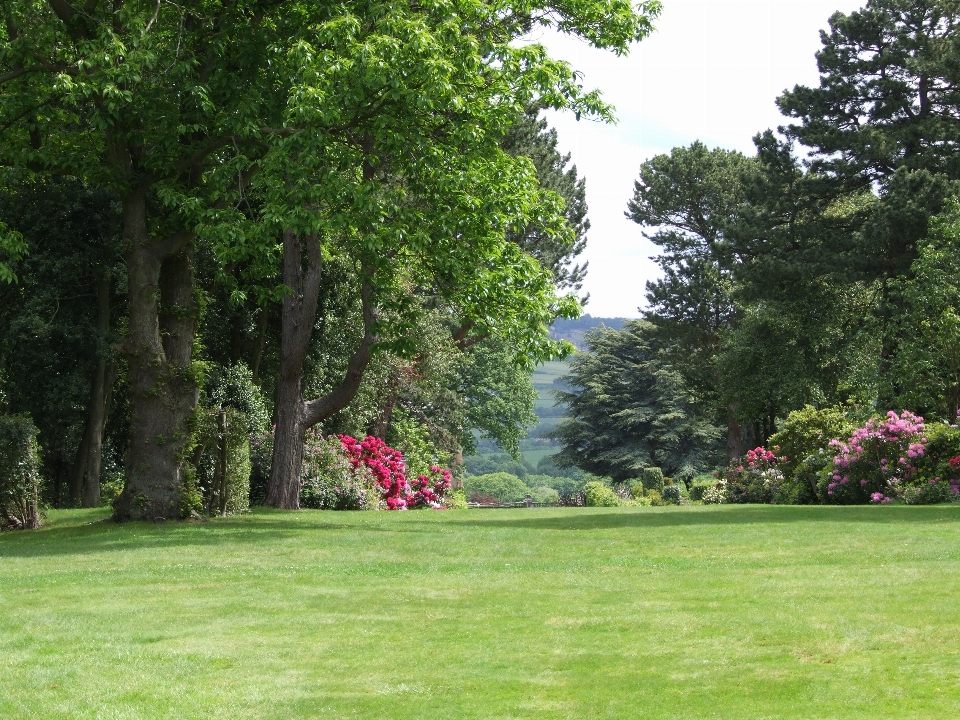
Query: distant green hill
573	330
535	446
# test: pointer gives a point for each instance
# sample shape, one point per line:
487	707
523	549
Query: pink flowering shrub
754	478
343	473
938	471
878	461
328	479
388	470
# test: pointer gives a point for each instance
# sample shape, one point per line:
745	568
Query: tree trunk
294	415
158	346
734	434
88	459
261	342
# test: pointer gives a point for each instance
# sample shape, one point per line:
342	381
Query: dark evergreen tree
630	409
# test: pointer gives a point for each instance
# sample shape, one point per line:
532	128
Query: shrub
577	498
755	478
654	498
880	457
699	485
671	495
715	495
19	473
803	442
500	485
457	500
545	495
941	459
389	475
596	494
222	463
652	478
330	481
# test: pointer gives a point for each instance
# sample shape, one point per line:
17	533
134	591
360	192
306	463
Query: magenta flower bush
389	475
343	473
878	462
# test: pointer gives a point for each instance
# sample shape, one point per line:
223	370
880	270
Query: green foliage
803	444
456	500
700	485
671	494
598	494
926	369
19	474
942	446
628	409
232	386
652	478
329	481
500	485
50	342
12	249
222	461
544	494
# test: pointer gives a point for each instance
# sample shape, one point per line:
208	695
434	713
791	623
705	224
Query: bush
389	475
596	494
803	442
715	495
19	473
222	463
574	499
652	478
755	478
329	481
654	498
940	461
671	495
544	495
457	500
699	485
878	459
500	485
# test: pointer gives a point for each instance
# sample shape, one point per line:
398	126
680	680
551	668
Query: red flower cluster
385	463
760	455
428	490
389	474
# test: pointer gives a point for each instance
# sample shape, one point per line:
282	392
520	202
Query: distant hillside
573	330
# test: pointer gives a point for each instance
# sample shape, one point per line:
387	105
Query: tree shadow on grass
64	537
727	515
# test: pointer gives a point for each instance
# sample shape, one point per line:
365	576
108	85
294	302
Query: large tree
176	109
629	408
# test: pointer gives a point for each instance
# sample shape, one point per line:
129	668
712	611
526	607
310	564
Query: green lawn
695	612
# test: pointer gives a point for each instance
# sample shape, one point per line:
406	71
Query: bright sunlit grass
699	612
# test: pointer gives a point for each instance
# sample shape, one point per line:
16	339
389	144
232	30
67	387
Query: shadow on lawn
63	537
728	515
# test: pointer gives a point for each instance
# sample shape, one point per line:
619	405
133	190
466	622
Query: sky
710	72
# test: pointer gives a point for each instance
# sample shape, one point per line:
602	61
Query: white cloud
711	72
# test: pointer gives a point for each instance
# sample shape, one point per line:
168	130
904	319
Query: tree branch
323	407
13	74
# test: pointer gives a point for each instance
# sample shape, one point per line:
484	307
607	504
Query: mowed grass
694	612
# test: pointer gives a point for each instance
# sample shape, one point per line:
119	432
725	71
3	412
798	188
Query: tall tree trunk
88	459
734	434
159	347
261	342
294	415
